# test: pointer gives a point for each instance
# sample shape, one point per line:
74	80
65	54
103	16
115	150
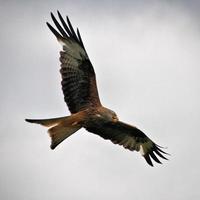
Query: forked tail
60	128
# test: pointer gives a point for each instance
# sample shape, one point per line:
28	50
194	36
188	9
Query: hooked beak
115	119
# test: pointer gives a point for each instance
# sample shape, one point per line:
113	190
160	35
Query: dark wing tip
66	30
148	159
68	21
160	152
153	156
79	37
154	153
72	30
51	13
159	148
58	12
58	36
29	120
52	146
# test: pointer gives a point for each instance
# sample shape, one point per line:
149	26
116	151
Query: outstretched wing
78	76
130	138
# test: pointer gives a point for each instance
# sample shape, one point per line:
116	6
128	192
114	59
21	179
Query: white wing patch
73	49
142	150
72	52
145	147
61	42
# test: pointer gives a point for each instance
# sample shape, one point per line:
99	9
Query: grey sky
146	57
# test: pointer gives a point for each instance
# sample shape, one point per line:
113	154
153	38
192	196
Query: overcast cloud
146	57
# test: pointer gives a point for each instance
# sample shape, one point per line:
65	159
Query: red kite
82	98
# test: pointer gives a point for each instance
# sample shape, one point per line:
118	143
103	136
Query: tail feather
60	132
47	122
60	128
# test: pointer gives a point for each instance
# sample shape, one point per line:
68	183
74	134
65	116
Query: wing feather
72	29
79	37
154	157
78	76
58	26
148	159
130	138
65	25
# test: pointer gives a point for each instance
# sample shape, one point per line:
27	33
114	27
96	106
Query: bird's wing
130	138
78	76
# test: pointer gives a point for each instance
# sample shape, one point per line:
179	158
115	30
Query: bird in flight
82	98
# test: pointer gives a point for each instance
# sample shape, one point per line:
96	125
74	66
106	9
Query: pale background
146	57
